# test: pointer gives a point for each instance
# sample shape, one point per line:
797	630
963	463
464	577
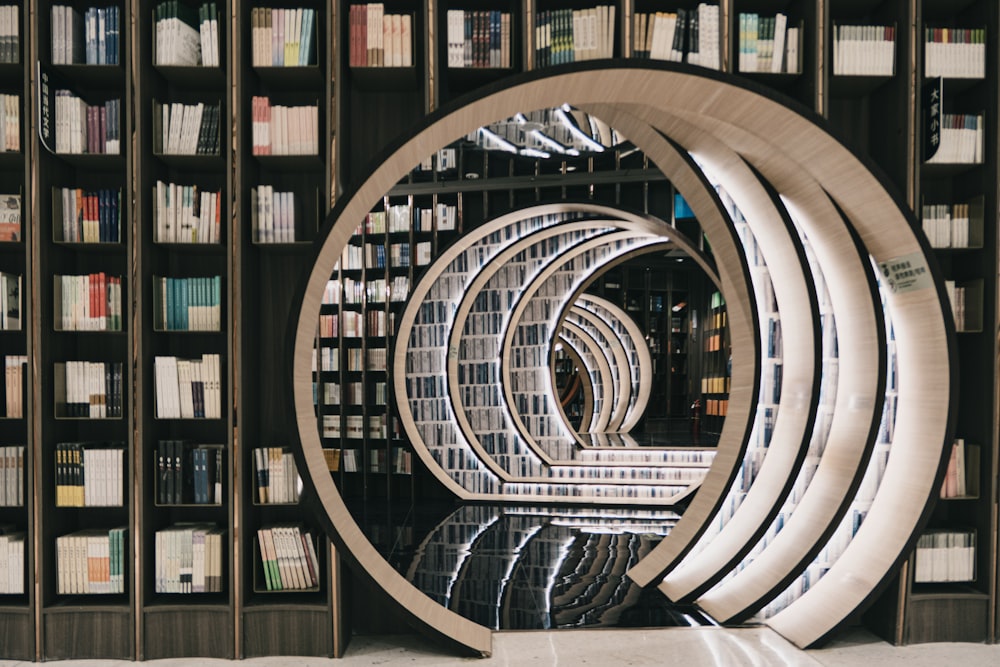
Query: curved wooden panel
854	425
597	367
521	439
584	379
613	349
800	374
902	505
641	363
522	450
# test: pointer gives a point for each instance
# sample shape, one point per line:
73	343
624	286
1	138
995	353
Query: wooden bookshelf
268	266
103	622
362	113
17	341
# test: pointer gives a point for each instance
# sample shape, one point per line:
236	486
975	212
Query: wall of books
166	167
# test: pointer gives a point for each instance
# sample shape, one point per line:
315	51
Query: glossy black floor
520	567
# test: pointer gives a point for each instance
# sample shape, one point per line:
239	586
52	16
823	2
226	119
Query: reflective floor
536	567
691	647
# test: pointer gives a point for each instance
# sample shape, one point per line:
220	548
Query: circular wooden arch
793	152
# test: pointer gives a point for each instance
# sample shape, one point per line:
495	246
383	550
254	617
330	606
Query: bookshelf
249	227
17	604
268	184
82	363
183	201
965	87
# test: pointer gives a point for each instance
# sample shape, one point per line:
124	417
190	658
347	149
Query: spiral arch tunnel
737	155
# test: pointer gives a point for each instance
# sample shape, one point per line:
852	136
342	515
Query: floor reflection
526	568
517	567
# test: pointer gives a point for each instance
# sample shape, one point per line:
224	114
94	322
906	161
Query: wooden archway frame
776	140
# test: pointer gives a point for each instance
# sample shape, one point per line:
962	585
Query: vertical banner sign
46	110
932	101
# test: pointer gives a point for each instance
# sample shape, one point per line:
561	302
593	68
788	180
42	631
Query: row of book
89	475
347	460
445	159
12	405
188	388
86	216
378	39
947	226
188	473
11	476
956	297
943	556
10	301
288	558
399	255
715	385
961	139
11	560
572	35
92	562
86	128
328	327
446	218
10	34
186	214
272	215
478	39
93	38
277	479
10	123
91	302
186	129
187	304
184	38
377	290
716	407
961	479
682	35
769	44
10	218
373	255
399	458
864	50
189	559
955	53
281	37
326	358
283	130
88	390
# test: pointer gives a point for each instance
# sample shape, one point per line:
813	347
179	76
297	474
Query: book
187	388
275	475
188	558
91	302
88	390
89	474
377	38
92	562
10	34
286	554
284	130
185	129
10	123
